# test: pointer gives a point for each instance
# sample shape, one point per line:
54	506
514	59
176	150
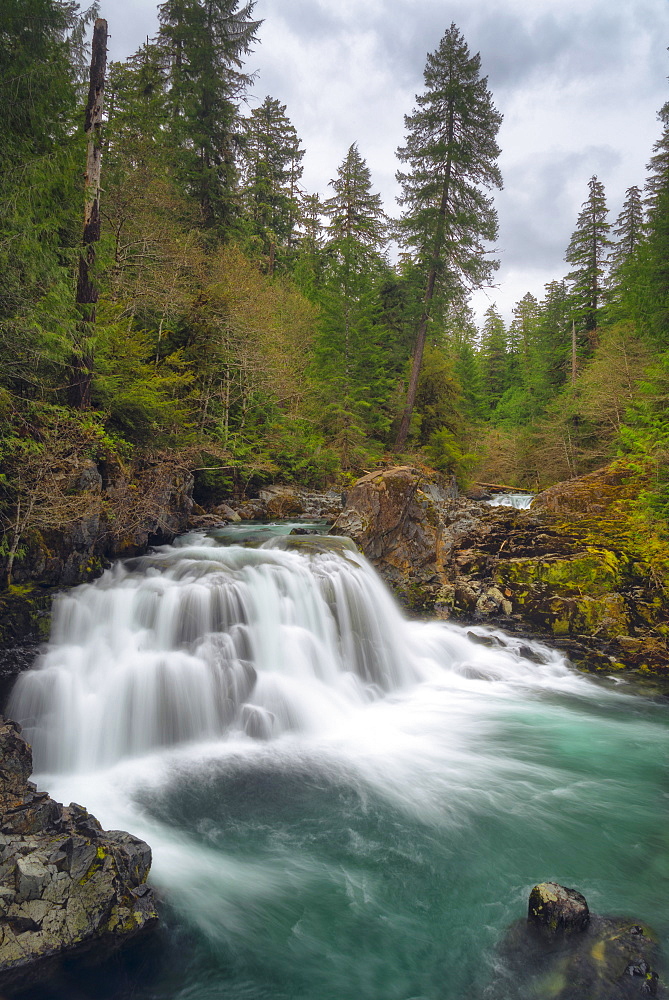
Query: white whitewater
521	501
199	641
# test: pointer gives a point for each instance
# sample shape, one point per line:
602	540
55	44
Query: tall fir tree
588	252
203	44
653	304
494	357
350	350
451	150
272	157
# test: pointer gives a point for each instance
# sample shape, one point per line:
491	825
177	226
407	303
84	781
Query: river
342	804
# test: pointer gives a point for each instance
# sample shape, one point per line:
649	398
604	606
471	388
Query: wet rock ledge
67	886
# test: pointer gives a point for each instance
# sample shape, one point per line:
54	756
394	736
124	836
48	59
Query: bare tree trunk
87	292
573	353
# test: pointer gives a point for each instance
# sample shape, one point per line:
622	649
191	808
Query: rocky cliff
576	568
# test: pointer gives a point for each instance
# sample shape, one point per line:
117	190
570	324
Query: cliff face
66	885
576	567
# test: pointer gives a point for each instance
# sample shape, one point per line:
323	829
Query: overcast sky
579	83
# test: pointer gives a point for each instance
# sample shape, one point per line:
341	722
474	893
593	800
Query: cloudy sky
579	83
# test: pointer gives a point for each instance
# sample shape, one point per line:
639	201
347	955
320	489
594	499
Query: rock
554	909
282	501
571	570
397	526
226	512
66	885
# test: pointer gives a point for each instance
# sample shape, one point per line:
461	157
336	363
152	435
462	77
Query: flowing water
342	804
521	501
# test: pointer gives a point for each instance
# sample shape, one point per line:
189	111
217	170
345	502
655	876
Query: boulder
554	909
282	501
66	885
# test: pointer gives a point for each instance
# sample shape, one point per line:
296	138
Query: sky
579	83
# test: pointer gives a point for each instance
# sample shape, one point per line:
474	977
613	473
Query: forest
255	331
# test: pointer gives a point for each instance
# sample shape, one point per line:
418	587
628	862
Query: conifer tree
273	168
350	350
654	306
494	357
452	152
203	43
588	253
628	228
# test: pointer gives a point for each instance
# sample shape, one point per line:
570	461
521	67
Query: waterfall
196	641
521	501
340	802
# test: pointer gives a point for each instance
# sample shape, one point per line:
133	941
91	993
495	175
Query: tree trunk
87	292
419	347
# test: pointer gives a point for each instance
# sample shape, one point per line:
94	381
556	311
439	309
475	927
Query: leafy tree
452	152
588	254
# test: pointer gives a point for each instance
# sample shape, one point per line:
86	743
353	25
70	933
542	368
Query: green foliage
144	397
445	454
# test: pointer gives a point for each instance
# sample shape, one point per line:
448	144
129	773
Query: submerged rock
564	952
66	885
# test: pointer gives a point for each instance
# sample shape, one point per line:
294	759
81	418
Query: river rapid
342	804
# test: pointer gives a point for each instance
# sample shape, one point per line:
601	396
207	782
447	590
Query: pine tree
355	211
452	152
203	43
588	252
628	228
653	305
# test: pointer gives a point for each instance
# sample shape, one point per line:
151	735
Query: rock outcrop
573	568
66	885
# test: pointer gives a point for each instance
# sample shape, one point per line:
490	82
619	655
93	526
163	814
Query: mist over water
341	803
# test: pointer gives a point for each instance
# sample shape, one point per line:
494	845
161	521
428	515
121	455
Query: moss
95	866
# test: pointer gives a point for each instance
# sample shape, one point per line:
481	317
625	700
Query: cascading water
341	803
521	501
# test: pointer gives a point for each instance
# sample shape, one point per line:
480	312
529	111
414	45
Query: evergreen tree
554	336
203	43
452	152
587	253
494	355
652	305
355	211
628	229
273	168
350	351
